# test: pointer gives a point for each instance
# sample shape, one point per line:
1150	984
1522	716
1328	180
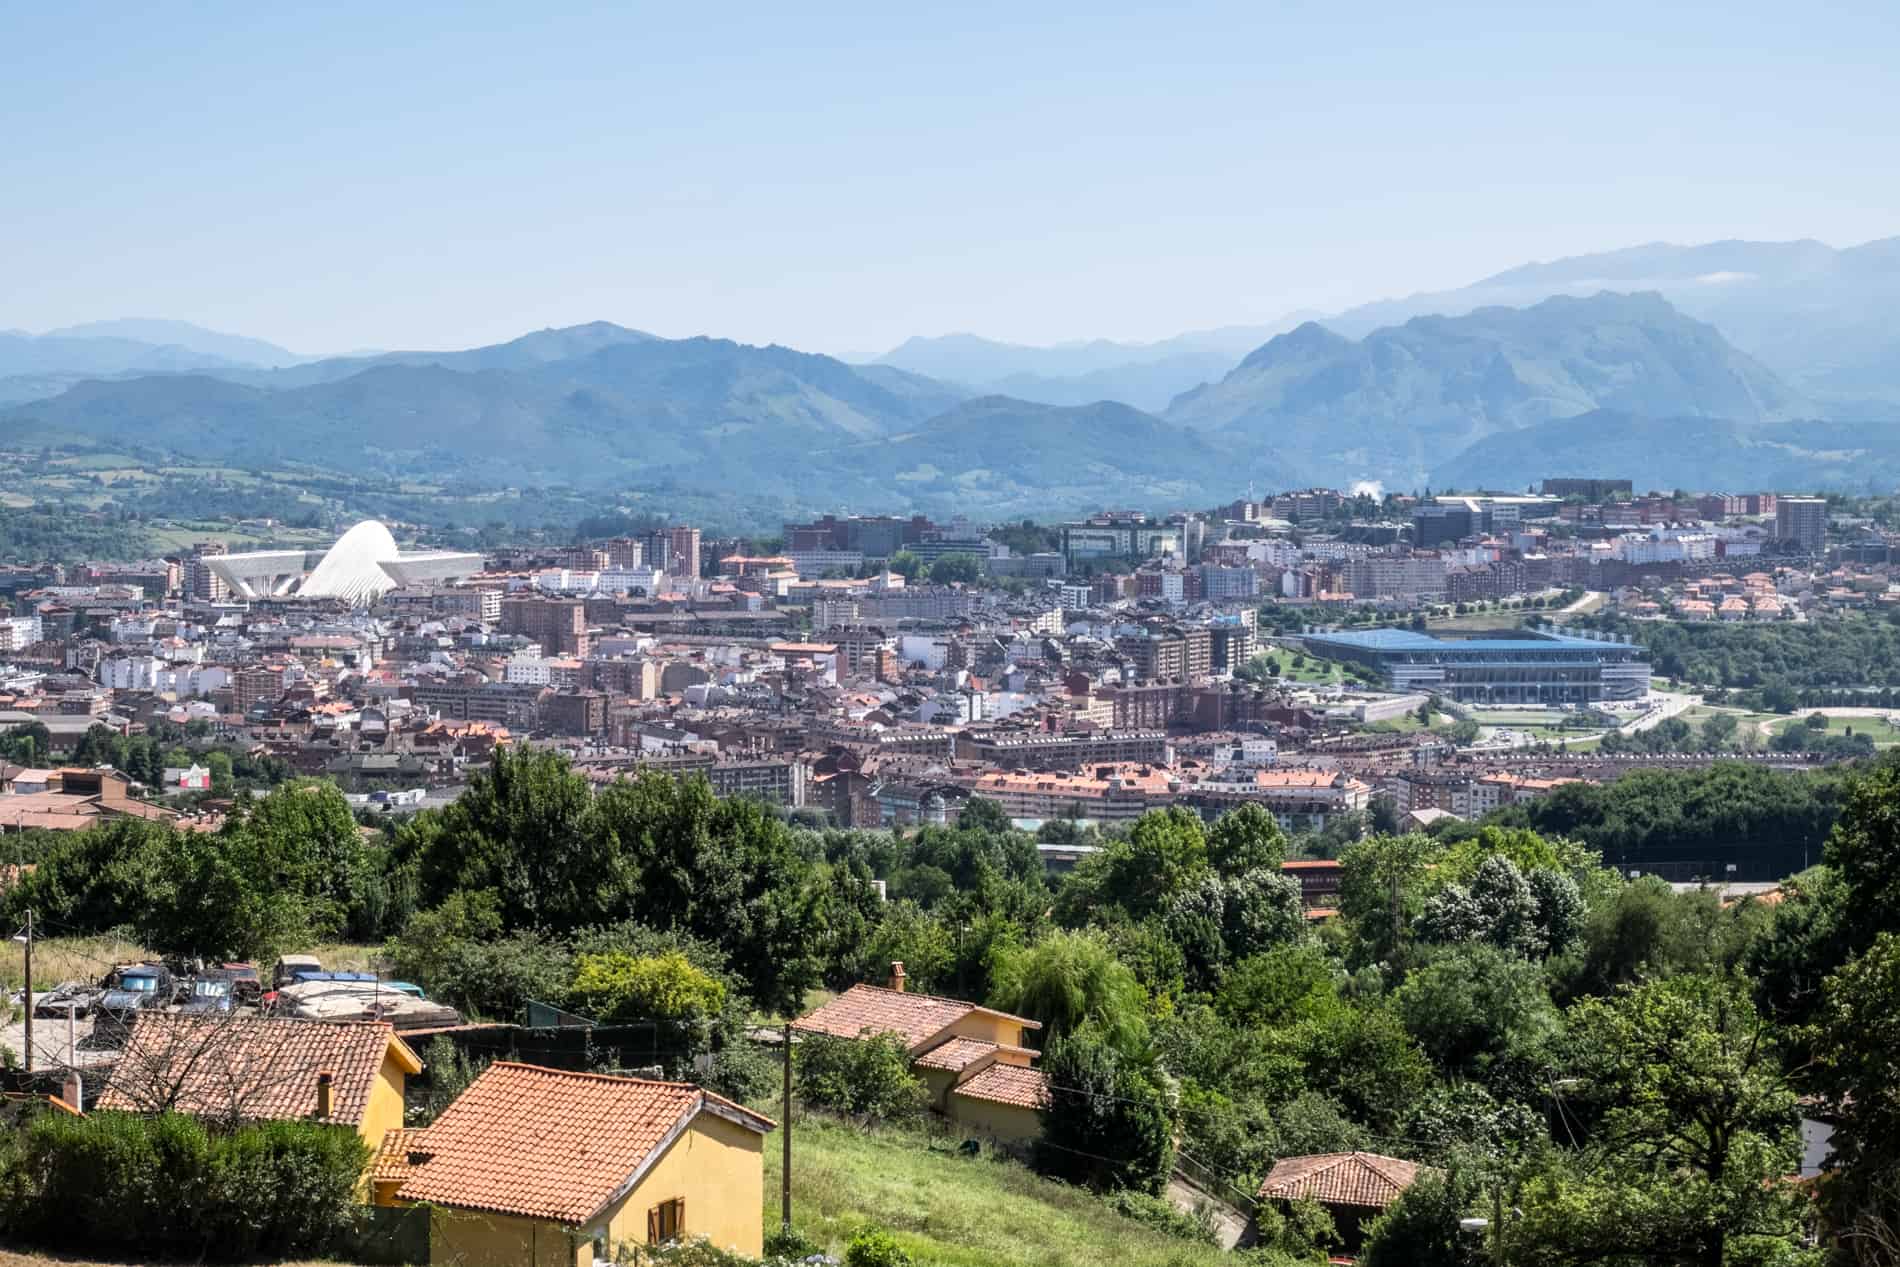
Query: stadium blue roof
1412	640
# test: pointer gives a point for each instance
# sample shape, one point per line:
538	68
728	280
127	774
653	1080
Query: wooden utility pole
29	989
785	1129
1497	1222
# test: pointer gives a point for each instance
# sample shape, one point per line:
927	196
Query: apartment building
558	624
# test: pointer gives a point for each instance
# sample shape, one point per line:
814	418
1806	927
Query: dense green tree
1068	980
867	1077
1246	839
1109	1122
906	565
1421	1229
1382	886
1283	985
1690	1125
956	569
1478	1011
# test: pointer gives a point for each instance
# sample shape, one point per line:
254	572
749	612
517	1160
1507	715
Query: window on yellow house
666	1221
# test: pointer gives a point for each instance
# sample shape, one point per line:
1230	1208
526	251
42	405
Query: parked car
135	988
362	978
289	966
213	992
245	982
77	996
360	1000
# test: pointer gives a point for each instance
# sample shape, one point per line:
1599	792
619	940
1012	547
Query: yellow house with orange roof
975	1061
552	1168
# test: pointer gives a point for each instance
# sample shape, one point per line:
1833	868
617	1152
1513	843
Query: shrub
791	1243
116	1183
874	1247
865	1077
744	1071
618	986
1155	1212
447	1071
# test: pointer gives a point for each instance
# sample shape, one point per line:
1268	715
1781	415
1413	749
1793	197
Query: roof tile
912	1017
550	1143
255	1068
1361	1179
1008	1084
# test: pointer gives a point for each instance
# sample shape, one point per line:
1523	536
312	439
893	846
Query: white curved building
352	568
361	567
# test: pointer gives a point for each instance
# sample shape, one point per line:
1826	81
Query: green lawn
948	1209
1876	728
1314	670
1475	622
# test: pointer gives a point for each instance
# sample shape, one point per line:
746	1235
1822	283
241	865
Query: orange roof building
975	1061
259	1068
1355	1188
536	1165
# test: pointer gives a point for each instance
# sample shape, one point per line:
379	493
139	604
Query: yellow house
552	1168
238	1068
974	1060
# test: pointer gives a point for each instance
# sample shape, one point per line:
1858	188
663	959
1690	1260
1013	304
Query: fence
389	1236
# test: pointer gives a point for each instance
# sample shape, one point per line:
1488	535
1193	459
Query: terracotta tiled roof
391	1163
912	1017
554	1144
1008	1084
1361	1179
955	1055
254	1067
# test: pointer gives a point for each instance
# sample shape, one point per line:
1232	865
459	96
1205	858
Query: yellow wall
992	1029
470	1238
383	1113
719	1168
938	1082
1004	1122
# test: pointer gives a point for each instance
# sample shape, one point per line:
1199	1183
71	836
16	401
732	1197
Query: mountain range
1826	319
1393	405
1476	394
1145	375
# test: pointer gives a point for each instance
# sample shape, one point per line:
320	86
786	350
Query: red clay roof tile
550	1143
1007	1084
253	1068
1361	1179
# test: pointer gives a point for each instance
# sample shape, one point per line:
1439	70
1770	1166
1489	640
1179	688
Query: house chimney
325	1095
897	975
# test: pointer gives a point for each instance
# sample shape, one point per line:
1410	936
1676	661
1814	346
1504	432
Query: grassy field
57	959
1875	728
1476	622
947	1209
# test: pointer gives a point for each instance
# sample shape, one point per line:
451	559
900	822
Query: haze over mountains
1145	375
1466	390
1827	320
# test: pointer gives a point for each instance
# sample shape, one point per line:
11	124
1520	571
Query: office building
558	624
1119	535
1803	521
682	549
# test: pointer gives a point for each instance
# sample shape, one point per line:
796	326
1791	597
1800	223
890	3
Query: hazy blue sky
419	175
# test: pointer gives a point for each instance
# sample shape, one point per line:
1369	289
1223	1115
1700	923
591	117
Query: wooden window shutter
653	1226
679	1218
